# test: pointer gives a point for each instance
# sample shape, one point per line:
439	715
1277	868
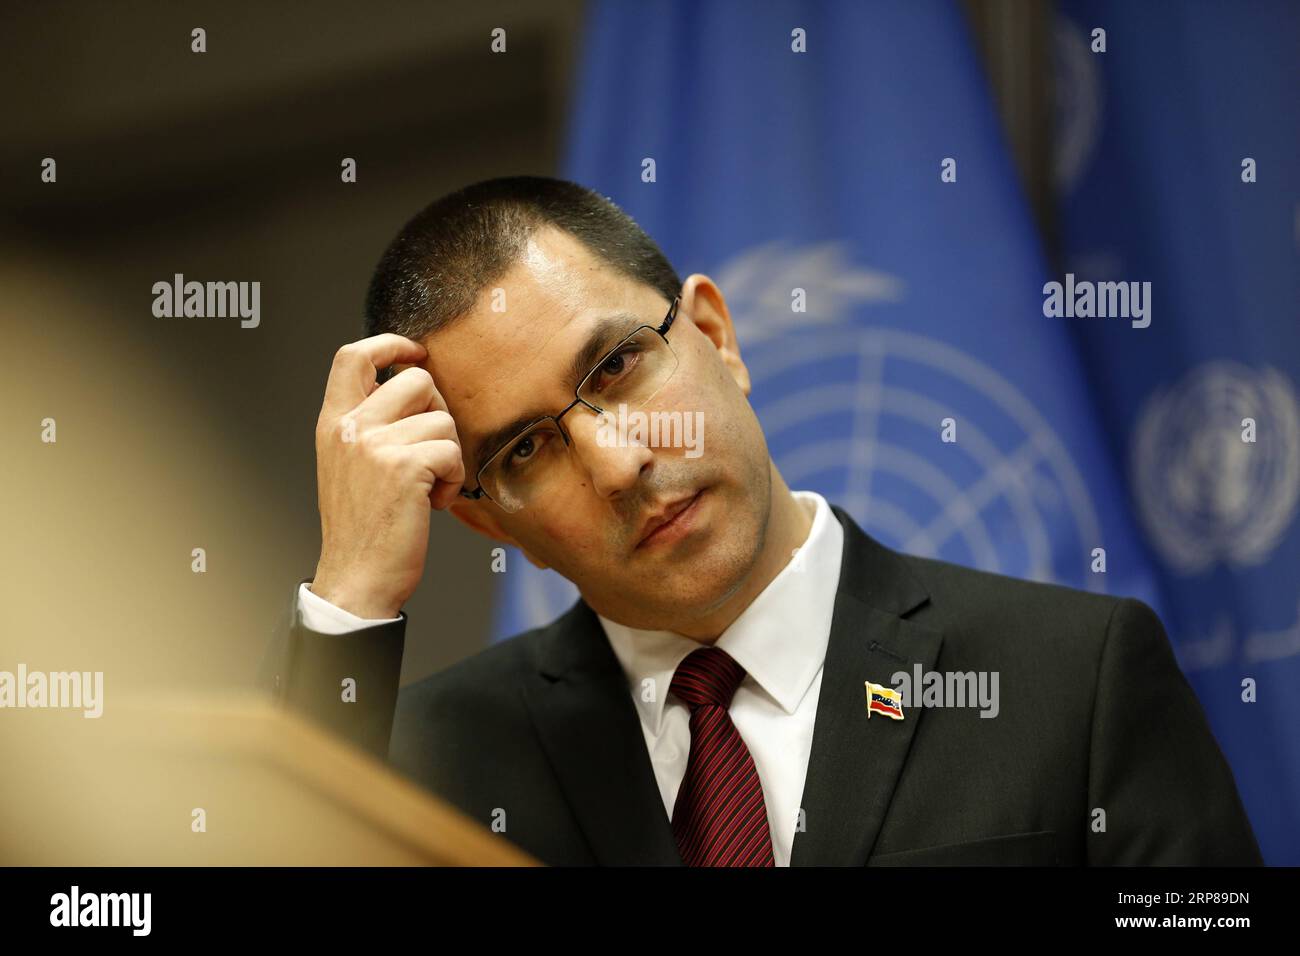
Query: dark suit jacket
1095	715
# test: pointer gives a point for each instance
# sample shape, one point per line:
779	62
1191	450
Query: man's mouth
671	523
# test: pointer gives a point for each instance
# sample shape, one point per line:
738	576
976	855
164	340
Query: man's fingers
407	408
352	376
443	458
443	495
425	426
409	392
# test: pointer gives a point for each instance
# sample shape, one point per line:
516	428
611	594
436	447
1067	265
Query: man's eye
524	449
620	363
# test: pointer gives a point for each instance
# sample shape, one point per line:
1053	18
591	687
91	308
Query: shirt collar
780	639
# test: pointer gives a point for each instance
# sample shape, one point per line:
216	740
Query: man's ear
478	518
703	303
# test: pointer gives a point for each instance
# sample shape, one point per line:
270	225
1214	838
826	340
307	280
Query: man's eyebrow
604	335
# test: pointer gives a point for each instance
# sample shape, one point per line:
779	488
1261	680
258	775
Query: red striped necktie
719	818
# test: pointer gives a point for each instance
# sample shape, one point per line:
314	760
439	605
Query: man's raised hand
385	454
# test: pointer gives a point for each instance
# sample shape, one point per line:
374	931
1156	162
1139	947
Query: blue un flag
1176	165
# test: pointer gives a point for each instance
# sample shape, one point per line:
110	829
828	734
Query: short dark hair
442	259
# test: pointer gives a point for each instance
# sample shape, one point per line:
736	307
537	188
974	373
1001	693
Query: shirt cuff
319	615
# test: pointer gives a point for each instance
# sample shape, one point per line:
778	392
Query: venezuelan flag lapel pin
884	700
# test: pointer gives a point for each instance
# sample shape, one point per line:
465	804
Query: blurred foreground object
273	790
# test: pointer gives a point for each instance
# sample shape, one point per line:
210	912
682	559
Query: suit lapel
855	761
581	706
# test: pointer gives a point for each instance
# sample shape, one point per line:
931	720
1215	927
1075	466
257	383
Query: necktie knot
707	676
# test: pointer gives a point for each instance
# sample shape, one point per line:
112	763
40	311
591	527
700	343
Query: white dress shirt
780	640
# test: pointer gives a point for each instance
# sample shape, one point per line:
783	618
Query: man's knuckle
418	375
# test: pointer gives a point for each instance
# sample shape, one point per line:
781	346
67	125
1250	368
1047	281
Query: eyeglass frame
475	494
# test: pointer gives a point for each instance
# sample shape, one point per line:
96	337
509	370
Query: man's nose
613	462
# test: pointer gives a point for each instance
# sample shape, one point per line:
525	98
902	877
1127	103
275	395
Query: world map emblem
1204	494
853	411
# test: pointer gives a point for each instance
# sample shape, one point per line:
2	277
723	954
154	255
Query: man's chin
694	588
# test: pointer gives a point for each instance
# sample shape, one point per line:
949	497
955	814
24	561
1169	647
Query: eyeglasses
533	463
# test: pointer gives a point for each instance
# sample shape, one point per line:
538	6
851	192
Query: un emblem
1205	494
1078	104
853	411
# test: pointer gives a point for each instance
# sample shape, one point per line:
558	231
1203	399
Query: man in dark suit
748	679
